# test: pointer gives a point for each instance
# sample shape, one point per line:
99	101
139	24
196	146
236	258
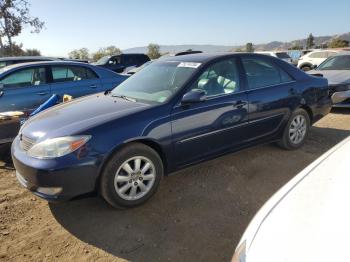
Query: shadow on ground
5	157
198	214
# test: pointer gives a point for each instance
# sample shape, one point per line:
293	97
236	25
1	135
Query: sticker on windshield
189	64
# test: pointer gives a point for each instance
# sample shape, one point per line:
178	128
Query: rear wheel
296	130
131	176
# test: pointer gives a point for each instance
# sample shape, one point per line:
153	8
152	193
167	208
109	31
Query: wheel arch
309	112
146	141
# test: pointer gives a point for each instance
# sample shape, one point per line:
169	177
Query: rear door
74	80
272	94
24	89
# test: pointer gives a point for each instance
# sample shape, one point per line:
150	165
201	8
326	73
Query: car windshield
282	55
102	60
156	82
336	63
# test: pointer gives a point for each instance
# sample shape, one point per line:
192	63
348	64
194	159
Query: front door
24	90
216	124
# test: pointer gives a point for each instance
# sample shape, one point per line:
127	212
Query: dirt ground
199	214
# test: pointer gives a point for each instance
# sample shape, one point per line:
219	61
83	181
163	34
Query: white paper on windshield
189	64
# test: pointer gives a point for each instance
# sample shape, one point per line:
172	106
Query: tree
82	53
249	47
32	52
310	42
296	47
338	43
106	51
153	51
14	15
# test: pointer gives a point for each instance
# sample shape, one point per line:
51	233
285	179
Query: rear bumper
55	179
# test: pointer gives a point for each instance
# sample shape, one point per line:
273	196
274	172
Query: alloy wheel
135	178
297	129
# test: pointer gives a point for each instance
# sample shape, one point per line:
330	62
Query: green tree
249	47
32	52
338	43
82	53
153	51
14	15
106	51
296	47
310	41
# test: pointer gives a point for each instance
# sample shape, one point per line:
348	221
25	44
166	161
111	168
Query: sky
73	24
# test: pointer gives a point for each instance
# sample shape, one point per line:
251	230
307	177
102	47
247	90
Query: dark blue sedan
173	113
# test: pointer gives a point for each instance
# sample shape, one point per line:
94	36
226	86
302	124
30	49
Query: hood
307	215
78	115
334	77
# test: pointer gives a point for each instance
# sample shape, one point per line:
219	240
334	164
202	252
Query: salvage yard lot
198	214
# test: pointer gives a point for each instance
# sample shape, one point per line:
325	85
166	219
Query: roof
59	62
15	58
199	58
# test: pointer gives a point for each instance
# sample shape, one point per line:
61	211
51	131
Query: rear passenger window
71	73
261	73
220	78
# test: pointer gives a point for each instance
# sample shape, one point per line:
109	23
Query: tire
294	140
127	179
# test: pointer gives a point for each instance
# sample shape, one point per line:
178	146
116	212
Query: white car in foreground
307	220
314	59
279	54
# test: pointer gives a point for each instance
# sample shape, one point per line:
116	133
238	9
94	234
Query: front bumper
55	179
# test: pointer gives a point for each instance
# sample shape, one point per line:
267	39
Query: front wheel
131	176
296	130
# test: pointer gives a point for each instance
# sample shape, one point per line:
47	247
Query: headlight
56	147
239	255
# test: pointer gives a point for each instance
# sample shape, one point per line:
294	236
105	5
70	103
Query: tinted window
329	54
25	77
114	60
71	73
318	55
261	73
282	55
220	78
336	63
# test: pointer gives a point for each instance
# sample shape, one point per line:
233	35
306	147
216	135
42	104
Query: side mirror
193	96
313	66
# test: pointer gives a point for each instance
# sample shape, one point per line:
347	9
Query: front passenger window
219	79
25	77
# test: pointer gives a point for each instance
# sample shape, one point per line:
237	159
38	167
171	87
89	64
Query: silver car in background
337	71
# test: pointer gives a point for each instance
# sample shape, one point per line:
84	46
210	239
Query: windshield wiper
125	98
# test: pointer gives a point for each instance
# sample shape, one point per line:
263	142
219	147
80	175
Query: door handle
1	93
93	86
42	93
240	104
